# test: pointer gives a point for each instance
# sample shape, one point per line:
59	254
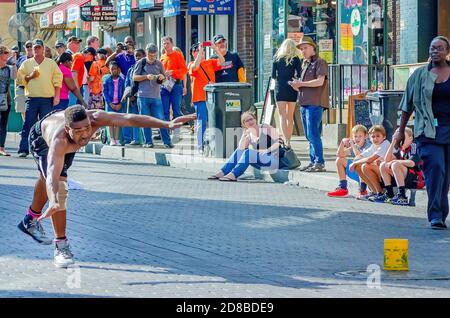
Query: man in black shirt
233	69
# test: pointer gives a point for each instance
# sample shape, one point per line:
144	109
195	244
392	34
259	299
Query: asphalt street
139	230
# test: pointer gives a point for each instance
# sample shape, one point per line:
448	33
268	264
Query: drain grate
395	276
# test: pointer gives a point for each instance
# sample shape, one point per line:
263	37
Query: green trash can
225	102
384	109
15	119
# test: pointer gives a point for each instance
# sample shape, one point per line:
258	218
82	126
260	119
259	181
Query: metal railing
351	79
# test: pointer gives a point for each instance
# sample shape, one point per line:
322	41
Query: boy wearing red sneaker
350	147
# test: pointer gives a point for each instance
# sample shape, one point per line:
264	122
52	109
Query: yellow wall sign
233	105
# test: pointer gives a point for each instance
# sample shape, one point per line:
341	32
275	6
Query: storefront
64	20
174	18
346	31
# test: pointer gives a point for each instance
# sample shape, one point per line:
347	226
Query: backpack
135	85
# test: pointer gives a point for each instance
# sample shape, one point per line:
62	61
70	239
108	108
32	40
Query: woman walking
428	94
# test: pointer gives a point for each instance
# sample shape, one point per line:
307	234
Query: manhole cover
410	275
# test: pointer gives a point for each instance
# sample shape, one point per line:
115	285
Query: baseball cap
59	44
74	38
217	38
307	40
38	42
29	42
102	51
15	48
90	50
151	48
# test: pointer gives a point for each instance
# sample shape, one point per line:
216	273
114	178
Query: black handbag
288	158
134	84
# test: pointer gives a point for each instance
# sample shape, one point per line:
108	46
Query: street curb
324	181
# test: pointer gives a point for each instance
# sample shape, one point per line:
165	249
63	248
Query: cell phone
206	43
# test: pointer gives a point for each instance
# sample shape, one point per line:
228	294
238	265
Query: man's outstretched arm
131	120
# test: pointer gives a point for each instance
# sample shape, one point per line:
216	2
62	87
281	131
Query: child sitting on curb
367	164
350	147
404	164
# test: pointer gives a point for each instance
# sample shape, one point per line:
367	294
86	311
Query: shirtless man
53	142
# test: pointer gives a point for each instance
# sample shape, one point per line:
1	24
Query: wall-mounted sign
171	8
146	4
43	21
73	14
355	21
58	17
203	7
98	13
123	12
140	29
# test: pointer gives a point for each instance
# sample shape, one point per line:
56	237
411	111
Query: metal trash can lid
224	85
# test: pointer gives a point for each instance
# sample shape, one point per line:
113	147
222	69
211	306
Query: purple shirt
126	61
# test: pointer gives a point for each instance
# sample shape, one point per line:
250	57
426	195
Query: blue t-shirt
126	61
229	71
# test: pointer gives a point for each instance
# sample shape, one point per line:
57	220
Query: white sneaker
112	143
63	255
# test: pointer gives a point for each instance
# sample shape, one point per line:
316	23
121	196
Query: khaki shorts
19	100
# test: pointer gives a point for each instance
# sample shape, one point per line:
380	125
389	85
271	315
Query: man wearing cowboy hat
313	97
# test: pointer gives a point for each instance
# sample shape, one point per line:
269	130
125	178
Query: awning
63	14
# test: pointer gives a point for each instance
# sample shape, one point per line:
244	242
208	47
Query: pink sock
33	215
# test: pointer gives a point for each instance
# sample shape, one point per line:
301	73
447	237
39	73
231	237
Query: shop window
316	19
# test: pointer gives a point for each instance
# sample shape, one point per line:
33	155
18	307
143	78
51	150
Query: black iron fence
352	79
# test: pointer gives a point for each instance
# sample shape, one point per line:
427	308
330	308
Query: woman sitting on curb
258	147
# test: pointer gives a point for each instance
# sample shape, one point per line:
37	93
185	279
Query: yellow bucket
395	254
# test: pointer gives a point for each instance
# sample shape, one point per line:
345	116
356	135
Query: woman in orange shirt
96	72
202	73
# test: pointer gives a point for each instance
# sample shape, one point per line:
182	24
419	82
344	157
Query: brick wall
245	29
393	41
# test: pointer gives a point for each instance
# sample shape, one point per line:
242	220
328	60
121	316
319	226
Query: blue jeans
153	107
63	104
241	159
312	126
129	133
202	119
436	169
173	98
73	100
37	108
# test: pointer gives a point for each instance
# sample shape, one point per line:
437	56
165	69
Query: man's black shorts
39	151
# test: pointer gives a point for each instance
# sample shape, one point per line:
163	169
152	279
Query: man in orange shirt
202	73
172	90
73	44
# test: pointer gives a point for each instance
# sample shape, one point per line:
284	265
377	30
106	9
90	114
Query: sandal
225	178
213	177
4	153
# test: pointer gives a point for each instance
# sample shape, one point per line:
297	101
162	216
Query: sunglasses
29	46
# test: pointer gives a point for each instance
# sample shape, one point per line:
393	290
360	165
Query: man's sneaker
438	225
23	154
400	200
63	255
112	143
307	167
380	198
169	146
339	193
148	146
34	229
318	167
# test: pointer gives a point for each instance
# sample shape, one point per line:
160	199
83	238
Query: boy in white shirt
368	162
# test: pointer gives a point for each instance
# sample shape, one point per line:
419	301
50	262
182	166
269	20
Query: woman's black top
284	73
